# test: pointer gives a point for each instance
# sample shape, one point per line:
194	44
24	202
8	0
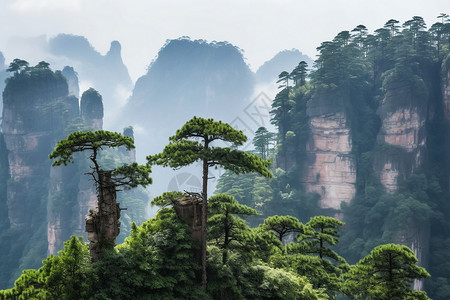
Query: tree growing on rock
17	65
103	226
195	142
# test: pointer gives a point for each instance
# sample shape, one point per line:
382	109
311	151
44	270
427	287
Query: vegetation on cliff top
358	68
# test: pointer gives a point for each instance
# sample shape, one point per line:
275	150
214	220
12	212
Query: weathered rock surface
72	81
446	96
62	179
102	223
36	111
30	122
330	168
403	113
403	116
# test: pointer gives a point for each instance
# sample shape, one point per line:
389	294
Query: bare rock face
446	94
402	139
102	223
417	238
330	168
403	136
36	111
189	210
72	81
87	200
446	103
54	228
30	117
62	179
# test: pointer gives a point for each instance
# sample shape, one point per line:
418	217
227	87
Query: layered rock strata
330	168
402	135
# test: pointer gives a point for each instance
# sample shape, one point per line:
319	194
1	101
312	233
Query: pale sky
260	27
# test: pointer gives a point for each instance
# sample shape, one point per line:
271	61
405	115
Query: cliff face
43	205
3	75
36	110
446	102
30	108
446	89
403	115
92	114
72	81
330	168
63	180
403	145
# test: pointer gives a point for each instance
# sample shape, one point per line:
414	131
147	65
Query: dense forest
373	224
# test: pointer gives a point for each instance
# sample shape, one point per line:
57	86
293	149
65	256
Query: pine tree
386	273
195	142
107	181
225	228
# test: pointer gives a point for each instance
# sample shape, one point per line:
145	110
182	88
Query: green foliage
182	151
18	65
300	73
283	225
225	229
66	276
91	104
386	273
262	142
91	141
128	175
279	195
313	256
155	262
28	81
167	198
239	279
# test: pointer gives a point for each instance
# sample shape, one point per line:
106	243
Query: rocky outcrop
62	180
417	238
107	73
31	116
402	135
91	106
72	81
402	150
189	210
102	223
330	168
36	111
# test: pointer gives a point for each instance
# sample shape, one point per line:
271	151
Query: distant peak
115	48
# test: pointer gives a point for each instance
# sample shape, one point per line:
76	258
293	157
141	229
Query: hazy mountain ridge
213	80
282	61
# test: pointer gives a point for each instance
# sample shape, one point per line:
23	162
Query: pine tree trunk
204	220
